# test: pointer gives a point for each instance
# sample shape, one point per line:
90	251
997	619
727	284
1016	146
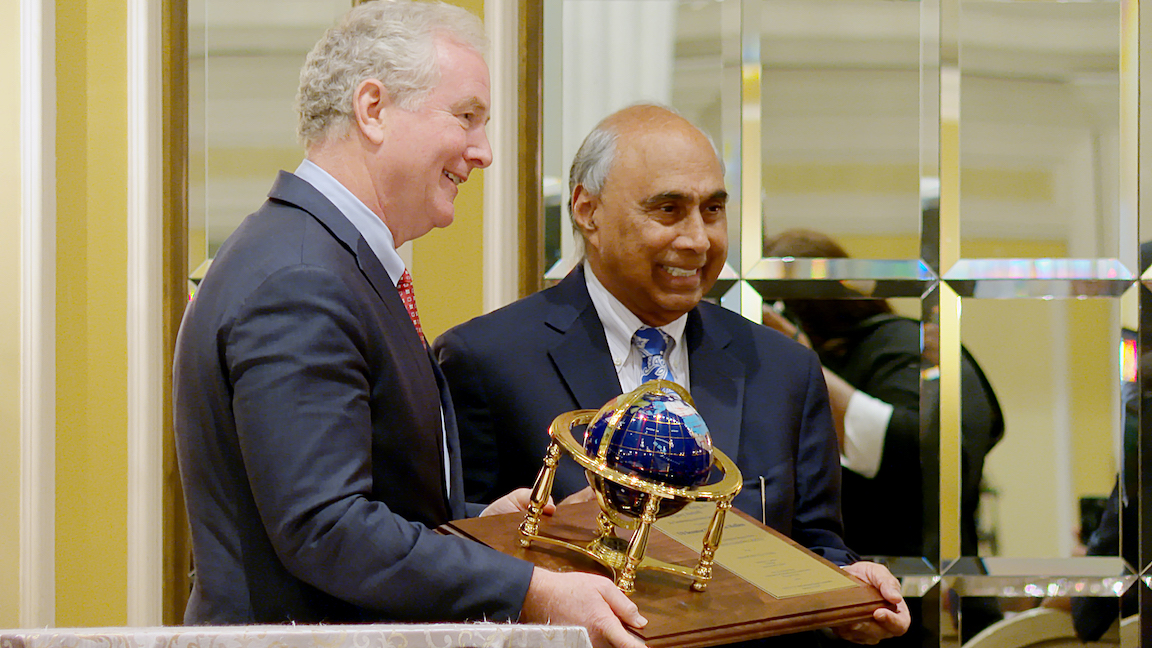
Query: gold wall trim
177	543
531	216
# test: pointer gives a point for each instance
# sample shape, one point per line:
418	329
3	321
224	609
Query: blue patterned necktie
652	343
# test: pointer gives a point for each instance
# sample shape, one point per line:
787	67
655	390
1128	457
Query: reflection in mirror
840	93
839	101
612	54
1040	128
244	64
1053	364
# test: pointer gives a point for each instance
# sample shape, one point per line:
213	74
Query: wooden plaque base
730	610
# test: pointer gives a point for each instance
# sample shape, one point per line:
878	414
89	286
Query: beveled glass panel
1023	588
1040	577
1055	366
780	278
1044	278
1039	129
841	96
244	61
889	510
683	54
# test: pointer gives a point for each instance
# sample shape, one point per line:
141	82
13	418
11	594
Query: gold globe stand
622	557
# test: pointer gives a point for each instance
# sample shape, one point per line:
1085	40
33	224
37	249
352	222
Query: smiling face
424	154
657	235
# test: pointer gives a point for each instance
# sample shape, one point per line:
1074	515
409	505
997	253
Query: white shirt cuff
865	424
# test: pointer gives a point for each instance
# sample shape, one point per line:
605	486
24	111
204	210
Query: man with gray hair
316	440
649	201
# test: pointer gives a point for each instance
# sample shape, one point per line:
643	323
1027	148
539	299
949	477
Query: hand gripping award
663	505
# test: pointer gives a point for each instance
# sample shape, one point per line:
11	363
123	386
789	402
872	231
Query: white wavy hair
393	41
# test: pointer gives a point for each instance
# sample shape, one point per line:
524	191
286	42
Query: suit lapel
291	189
717	380
581	355
420	365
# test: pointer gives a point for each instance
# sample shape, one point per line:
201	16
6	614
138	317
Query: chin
444	219
673	310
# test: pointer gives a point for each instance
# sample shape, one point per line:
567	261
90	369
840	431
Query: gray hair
393	41
593	161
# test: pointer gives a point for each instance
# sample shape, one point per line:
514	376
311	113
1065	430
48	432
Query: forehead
670	160
463	75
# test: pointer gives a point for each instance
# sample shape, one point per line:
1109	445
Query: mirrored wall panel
975	162
1056	368
244	65
840	112
1039	129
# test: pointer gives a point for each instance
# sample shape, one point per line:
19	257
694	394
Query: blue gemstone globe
660	437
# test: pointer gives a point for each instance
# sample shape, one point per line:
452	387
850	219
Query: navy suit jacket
511	372
309	437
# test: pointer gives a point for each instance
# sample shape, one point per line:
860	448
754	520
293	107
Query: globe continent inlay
660	438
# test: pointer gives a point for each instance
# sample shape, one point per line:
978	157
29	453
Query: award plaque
762	583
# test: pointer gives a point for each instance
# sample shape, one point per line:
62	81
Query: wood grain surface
729	611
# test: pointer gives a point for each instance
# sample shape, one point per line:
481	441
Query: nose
479	151
693	233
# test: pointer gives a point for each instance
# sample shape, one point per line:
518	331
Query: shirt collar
374	231
620	323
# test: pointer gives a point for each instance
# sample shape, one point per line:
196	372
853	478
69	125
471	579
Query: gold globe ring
624	559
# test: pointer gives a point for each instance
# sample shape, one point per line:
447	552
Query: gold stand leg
703	572
604	525
637	545
541	491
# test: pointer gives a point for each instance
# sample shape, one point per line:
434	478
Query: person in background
315	437
872	363
647	197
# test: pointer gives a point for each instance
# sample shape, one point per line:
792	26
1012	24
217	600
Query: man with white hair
316	440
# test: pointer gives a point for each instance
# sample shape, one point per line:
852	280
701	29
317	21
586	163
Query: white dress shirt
619	325
865	426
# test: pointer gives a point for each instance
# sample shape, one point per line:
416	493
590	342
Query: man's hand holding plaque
885	622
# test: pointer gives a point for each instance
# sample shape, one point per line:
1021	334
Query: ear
370	102
584	206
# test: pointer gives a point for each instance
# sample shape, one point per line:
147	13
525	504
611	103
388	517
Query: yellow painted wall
447	264
1094	371
91	446
10	315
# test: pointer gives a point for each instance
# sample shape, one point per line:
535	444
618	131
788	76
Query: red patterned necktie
404	287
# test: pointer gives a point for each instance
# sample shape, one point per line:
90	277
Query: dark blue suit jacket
308	432
763	397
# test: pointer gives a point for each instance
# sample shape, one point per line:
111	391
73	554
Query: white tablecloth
357	636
